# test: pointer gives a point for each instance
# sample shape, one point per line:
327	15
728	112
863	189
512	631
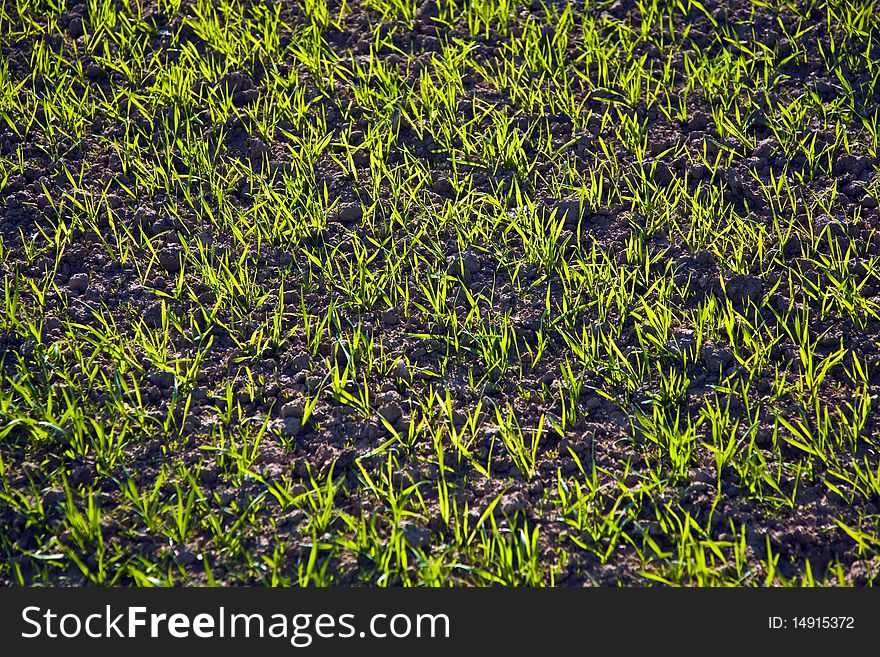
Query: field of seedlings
439	292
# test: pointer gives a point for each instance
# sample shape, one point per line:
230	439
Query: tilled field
388	292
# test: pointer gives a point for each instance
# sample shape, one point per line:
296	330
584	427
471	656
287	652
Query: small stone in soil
78	283
400	370
295	408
